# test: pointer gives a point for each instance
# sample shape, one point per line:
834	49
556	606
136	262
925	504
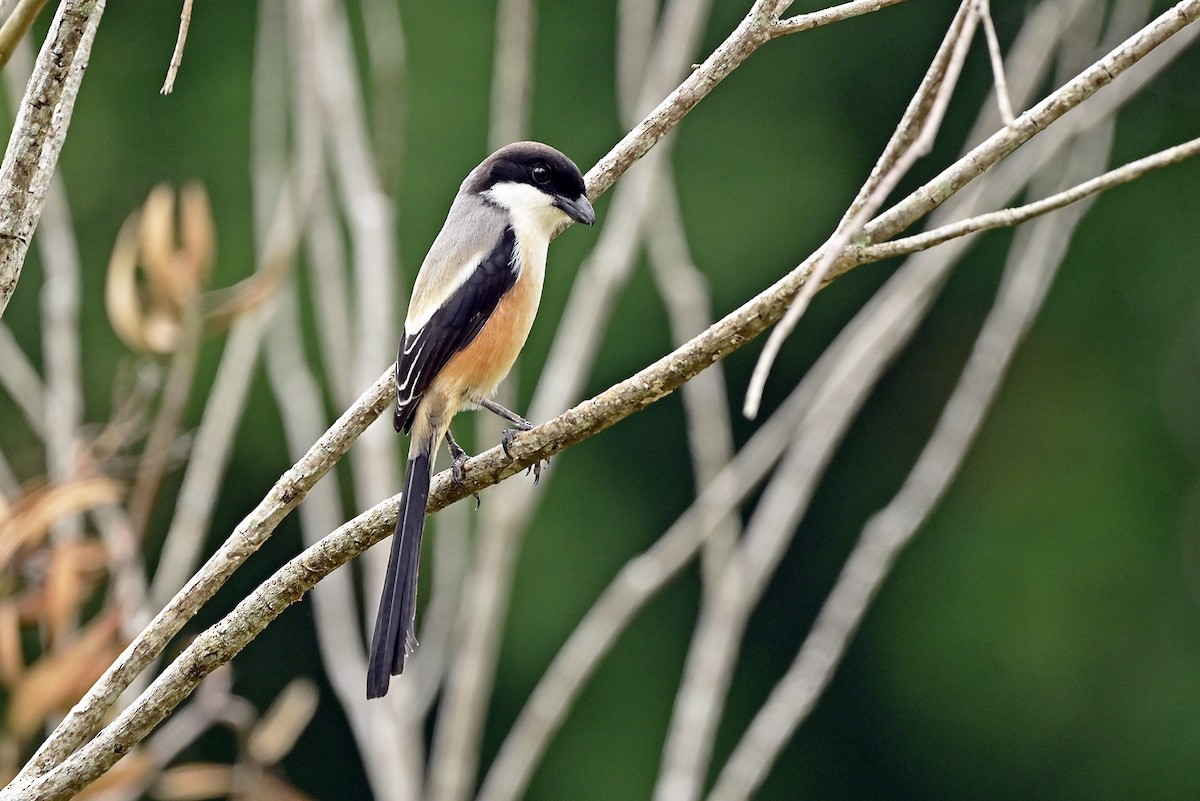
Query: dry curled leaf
159	268
12	655
281	725
61	677
30	518
63	591
123	780
269	786
194	781
177	261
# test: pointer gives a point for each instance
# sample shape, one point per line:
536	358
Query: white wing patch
431	298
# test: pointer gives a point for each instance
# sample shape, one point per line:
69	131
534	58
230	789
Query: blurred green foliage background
1041	638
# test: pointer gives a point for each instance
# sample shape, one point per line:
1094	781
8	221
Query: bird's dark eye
540	173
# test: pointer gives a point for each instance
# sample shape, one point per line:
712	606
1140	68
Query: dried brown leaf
32	516
269	786
64	588
194	781
12	655
61	677
281	725
122	297
197	233
223	306
175	258
129	775
158	251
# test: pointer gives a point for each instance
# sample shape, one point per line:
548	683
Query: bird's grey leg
507	435
459	457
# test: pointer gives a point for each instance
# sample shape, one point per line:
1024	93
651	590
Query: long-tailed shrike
472	306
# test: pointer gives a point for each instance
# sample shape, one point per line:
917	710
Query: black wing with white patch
451	328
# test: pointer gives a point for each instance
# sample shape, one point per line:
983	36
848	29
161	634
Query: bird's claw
459	458
460	477
537	468
506	440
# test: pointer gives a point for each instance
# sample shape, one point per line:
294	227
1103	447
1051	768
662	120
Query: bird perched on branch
472	307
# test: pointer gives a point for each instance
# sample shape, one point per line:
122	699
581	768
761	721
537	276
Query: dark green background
1040	639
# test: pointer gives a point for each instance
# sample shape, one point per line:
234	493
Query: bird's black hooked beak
579	209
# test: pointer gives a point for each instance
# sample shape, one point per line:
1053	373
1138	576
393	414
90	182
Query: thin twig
391	758
22	382
185	19
512	72
1031	266
997	58
1006	218
912	139
455	752
215	436
756	29
583	421
826	16
638	581
635	42
39	132
60	302
156	455
369	218
387	56
684	290
18	23
1032	122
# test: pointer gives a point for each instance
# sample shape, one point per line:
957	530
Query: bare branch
756	29
39	132
16	26
582	421
512	72
997	59
912	139
22	382
684	290
291	488
1031	267
826	16
369	220
215	436
1006	218
60	301
1032	122
185	19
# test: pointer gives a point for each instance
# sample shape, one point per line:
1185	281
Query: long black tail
393	638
